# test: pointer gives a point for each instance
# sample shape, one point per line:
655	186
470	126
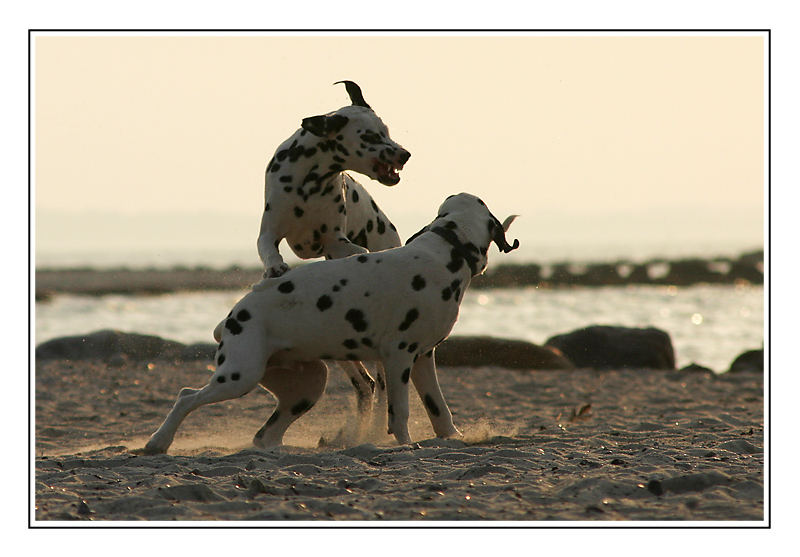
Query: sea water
709	324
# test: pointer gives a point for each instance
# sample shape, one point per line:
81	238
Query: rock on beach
603	346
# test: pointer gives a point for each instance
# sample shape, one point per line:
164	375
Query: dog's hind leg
362	382
297	386
240	366
234	384
423	374
365	387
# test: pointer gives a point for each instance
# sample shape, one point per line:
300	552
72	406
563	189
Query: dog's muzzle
387	173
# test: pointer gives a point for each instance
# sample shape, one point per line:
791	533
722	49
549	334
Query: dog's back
359	307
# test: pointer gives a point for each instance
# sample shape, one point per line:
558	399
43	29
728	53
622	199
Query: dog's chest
366	224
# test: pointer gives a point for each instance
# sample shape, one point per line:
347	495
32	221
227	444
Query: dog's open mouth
386	173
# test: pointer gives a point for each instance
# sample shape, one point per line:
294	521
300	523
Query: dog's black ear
499	234
354	91
323	126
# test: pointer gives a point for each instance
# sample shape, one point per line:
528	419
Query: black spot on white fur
411	316
303	406
431	405
324	302
233	326
286	287
356	319
243	315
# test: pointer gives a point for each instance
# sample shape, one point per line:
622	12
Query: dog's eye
370	137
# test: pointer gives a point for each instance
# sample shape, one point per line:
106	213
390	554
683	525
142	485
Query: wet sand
538	446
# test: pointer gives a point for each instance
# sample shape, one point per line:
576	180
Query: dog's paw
266	442
276	270
157	444
149	450
454	433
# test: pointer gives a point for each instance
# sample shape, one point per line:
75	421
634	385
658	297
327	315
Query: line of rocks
596	347
748	268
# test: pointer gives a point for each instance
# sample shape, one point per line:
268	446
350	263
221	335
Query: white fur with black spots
322	211
313	203
393	306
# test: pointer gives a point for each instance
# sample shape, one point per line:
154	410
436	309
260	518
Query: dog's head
360	139
467	224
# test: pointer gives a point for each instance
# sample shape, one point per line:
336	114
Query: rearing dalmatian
321	210
312	202
395	306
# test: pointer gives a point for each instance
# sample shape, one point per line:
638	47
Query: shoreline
747	268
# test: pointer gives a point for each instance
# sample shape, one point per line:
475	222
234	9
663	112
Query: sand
538	446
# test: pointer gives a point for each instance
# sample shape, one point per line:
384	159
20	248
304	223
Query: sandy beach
538	446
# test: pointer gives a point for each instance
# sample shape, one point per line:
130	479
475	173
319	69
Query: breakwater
747	268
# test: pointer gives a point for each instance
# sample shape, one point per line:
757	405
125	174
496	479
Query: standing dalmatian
312	202
395	306
321	210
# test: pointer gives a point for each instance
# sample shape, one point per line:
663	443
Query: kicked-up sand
538	446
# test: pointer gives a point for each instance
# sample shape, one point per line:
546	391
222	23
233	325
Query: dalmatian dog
322	211
394	306
312	202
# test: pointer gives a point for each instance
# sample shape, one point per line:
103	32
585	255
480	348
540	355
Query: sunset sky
601	143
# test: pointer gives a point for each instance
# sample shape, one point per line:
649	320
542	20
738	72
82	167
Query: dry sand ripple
539	446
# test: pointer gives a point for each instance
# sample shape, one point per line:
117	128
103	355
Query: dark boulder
561	274
685	272
752	360
694	367
744	270
639	275
111	346
602	274
488	351
602	346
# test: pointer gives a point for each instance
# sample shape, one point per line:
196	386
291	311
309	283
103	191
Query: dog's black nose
404	156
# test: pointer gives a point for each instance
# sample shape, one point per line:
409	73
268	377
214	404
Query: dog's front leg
267	244
426	383
398	370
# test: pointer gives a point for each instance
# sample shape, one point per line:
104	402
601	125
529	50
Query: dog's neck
307	165
459	249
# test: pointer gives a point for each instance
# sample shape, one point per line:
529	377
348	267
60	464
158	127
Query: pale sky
160	142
